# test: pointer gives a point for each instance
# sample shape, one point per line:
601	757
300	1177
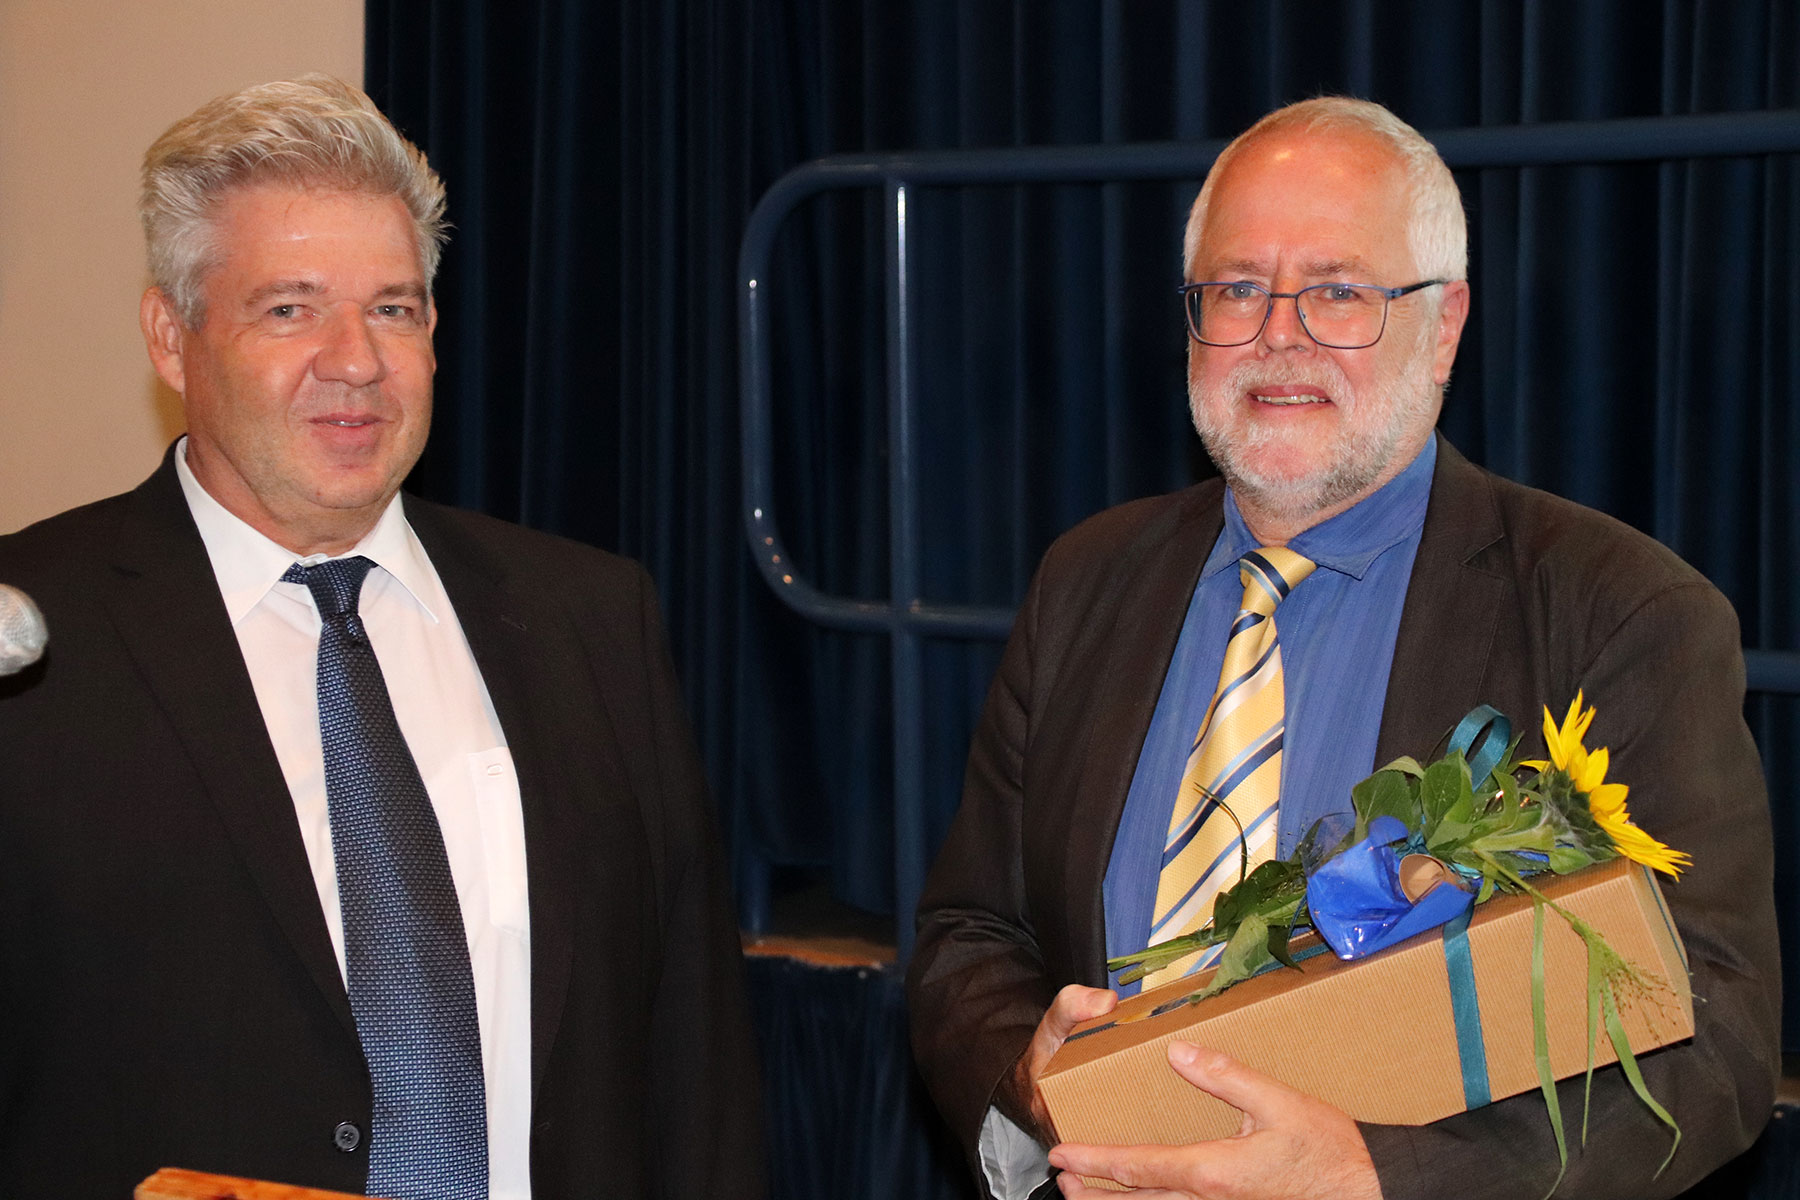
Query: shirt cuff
1011	1159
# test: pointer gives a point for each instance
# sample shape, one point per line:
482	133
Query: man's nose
350	353
1284	329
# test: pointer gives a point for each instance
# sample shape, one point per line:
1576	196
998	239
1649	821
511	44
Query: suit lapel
511	635
1129	664
1450	601
168	611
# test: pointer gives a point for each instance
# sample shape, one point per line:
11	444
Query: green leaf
1509	794
1449	834
1269	887
1271	894
1566	860
1596	985
1461	810
1507	768
1615	1030
1245	954
1540	1037
1134	967
1406	764
1540	838
1279	935
1386	793
1444	788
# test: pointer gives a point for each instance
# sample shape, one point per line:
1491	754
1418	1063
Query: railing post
903	578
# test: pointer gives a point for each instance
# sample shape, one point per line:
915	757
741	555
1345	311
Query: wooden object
172	1183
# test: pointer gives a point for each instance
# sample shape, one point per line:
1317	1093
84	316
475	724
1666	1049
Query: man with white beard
1326	258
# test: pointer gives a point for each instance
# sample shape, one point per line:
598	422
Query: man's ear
164	338
1452	315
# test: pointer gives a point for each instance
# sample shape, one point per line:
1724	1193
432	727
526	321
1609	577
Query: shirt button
496	769
346	1137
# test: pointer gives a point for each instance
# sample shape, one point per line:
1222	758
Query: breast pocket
496	789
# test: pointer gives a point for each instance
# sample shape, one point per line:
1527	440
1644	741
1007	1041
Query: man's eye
394	312
283	312
1241	291
1341	293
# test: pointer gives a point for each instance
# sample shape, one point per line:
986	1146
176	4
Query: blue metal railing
905	616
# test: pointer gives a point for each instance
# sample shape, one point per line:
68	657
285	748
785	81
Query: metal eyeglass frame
1269	298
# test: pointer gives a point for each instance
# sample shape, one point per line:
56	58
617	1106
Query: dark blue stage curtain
1633	343
848	1115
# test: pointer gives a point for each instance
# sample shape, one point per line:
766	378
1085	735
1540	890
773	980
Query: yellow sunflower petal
1564	741
1575	727
1552	737
1589	773
1607	802
1640	847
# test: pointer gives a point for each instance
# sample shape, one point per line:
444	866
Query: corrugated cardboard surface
1376	1037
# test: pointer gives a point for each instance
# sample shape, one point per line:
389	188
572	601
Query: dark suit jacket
1517	599
168	993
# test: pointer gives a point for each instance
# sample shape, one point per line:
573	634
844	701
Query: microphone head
22	632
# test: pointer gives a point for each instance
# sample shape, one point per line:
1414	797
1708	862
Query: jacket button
346	1137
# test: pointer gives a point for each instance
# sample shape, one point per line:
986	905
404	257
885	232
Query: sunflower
1586	770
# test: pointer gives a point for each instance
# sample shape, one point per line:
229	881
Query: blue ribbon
1488	726
1356	901
1465	1008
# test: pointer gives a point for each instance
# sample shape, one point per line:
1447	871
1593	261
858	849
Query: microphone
22	632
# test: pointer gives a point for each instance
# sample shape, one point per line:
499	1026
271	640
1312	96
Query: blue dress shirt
1337	630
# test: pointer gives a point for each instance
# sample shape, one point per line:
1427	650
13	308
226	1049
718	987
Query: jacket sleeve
977	984
707	1096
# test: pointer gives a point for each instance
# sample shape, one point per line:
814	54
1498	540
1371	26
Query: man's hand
1289	1146
1019	1100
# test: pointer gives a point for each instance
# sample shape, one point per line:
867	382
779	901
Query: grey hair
314	131
1437	233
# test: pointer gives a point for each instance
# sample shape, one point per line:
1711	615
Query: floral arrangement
1488	823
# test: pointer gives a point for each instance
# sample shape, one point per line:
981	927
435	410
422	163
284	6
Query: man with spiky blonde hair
1384	587
350	840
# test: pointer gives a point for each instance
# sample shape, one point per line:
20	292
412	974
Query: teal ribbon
1481	738
1465	1008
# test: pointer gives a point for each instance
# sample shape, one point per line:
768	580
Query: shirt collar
1350	542
247	564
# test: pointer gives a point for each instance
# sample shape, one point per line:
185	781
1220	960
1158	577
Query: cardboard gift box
1379	1037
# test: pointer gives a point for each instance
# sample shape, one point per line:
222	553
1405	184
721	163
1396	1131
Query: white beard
1363	453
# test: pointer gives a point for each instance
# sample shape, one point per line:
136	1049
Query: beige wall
85	86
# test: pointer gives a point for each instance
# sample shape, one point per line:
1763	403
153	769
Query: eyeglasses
1342	316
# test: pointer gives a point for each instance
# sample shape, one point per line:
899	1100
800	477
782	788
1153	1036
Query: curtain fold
846	1109
1632	342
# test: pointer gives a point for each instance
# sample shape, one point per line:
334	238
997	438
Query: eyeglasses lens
1341	315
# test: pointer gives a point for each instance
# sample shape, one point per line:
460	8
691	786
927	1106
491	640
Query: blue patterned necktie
406	952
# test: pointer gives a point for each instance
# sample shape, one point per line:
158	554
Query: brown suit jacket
1517	599
168	992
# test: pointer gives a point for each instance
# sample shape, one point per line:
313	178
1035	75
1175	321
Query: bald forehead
1327	203
1339	162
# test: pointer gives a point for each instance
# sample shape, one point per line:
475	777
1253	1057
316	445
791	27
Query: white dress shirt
1012	1160
449	723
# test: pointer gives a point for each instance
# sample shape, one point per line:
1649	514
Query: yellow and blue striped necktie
1232	785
